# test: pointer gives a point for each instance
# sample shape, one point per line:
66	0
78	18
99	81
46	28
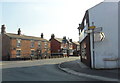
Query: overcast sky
59	17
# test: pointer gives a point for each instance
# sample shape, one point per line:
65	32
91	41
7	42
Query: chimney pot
52	36
70	40
3	29
19	31
64	37
41	35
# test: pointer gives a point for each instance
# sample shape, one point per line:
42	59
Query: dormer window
32	43
18	42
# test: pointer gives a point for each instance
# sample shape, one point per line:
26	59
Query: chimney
41	35
3	29
70	40
19	31
64	37
52	36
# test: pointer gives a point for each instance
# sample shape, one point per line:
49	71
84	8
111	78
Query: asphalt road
42	70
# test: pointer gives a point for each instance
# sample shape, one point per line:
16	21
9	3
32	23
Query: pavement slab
78	68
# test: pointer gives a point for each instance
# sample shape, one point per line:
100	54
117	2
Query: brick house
62	46
59	46
74	48
55	44
18	46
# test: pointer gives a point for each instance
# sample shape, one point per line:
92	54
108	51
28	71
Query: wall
45	50
55	45
85	51
0	47
5	47
26	48
105	15
119	31
49	51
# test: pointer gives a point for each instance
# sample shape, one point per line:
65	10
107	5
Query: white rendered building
99	46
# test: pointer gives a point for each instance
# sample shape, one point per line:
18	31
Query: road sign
99	29
92	27
88	31
99	36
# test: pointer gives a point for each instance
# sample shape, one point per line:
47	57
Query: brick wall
5	47
10	46
55	46
74	46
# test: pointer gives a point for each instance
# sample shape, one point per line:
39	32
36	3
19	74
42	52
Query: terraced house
18	46
63	46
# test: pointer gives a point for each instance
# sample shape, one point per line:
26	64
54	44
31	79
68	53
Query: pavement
78	68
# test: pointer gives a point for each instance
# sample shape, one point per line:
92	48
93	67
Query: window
78	47
18	42
32	52
85	22
70	46
83	50
39	44
32	44
18	53
46	45
64	51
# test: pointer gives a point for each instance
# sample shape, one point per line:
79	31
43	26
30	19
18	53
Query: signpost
96	30
99	29
99	36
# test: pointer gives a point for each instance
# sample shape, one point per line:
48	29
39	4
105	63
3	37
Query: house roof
76	43
11	35
59	39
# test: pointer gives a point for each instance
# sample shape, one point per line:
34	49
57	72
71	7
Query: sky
59	17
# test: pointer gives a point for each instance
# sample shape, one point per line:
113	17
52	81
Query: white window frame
18	54
39	44
32	53
18	42
32	44
46	44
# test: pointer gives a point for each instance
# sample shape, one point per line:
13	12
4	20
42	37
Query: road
38	70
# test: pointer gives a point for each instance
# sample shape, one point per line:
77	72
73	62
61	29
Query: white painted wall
105	15
0	47
0	58
83	34
119	32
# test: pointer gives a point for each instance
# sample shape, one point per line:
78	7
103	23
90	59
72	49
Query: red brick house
74	48
18	46
55	44
62	46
